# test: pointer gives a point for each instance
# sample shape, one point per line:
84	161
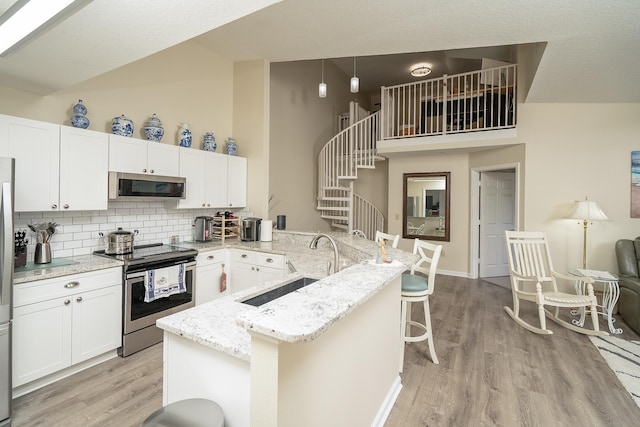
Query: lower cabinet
63	321
209	267
250	268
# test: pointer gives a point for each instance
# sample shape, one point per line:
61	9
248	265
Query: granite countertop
62	267
299	316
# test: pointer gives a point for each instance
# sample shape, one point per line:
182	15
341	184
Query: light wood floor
491	373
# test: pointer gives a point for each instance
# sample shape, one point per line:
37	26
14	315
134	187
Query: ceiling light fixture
26	19
355	82
322	87
420	70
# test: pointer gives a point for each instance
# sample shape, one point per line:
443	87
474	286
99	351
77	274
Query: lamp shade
587	210
322	90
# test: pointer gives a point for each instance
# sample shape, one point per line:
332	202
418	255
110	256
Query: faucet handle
329	269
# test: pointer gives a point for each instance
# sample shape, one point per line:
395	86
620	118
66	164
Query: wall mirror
426	206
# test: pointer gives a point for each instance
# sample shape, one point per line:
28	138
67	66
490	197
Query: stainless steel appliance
6	284
139	317
203	229
250	229
133	186
119	242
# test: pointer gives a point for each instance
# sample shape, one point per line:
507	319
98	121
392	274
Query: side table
610	295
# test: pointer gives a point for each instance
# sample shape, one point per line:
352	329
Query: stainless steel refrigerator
6	284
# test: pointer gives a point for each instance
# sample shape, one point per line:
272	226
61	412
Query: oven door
139	314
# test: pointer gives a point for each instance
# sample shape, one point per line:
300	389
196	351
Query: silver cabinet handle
72	284
257	269
66	302
66	206
151	170
244	255
269	259
54	206
253	268
210	257
79	299
203	205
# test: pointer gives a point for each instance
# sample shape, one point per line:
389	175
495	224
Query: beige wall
301	124
186	83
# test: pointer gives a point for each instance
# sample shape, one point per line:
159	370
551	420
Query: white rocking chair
530	267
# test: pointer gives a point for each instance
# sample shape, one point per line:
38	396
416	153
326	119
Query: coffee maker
203	229
250	229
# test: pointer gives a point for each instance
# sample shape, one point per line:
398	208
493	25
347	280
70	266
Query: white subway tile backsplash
77	233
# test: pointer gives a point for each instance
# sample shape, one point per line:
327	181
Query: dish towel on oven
162	282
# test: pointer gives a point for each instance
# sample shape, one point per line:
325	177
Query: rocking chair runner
533	279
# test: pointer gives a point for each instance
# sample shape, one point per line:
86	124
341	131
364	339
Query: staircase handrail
366	216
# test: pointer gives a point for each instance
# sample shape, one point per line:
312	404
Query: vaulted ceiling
589	51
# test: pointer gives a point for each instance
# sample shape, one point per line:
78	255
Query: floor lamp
587	212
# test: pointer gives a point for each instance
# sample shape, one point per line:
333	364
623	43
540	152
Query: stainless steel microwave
133	186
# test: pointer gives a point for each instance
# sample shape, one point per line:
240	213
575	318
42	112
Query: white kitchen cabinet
236	182
84	169
213	180
251	268
65	320
135	155
35	146
209	266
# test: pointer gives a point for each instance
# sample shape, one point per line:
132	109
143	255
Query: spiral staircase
339	160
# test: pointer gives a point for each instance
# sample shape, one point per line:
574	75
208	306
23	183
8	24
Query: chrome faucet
314	245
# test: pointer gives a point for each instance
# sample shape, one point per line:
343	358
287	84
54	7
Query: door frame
474	218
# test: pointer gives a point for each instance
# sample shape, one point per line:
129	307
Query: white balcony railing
475	101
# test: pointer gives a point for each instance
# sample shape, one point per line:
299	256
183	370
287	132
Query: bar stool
417	288
187	413
393	238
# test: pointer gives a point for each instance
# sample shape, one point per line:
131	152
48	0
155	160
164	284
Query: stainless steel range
140	310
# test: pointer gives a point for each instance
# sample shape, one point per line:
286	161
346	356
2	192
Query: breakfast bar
325	354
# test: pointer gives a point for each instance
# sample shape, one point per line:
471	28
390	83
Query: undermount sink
268	296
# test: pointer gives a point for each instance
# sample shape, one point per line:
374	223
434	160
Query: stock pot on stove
119	242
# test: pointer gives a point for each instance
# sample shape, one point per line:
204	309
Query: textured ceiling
592	51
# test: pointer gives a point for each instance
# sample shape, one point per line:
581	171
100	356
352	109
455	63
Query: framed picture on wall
635	184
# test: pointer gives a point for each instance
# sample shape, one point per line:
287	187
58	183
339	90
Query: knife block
42	254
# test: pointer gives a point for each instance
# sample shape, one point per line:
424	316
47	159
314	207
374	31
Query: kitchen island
326	354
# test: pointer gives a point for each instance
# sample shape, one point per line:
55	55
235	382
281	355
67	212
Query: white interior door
497	214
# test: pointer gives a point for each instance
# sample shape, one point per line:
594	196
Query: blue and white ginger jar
153	130
122	126
184	135
209	142
79	119
232	147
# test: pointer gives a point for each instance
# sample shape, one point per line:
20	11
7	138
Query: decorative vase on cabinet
79	119
184	135
209	142
122	126
232	147
153	130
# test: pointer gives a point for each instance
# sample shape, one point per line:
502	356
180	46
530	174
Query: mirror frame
447	211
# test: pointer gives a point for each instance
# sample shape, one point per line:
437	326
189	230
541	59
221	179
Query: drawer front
210	257
270	260
240	255
43	290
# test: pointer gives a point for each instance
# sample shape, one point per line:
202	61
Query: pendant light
355	82
322	87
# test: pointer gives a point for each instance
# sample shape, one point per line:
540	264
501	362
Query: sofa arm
626	256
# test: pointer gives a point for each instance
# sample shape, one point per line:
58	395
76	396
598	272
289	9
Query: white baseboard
387	404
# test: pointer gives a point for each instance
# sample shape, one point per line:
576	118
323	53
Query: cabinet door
208	271
36	147
97	322
127	154
266	273
84	169
41	339
236	182
192	168
163	159
243	276
216	180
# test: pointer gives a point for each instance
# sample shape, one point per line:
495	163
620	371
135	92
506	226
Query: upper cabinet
84	169
213	180
35	146
134	155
